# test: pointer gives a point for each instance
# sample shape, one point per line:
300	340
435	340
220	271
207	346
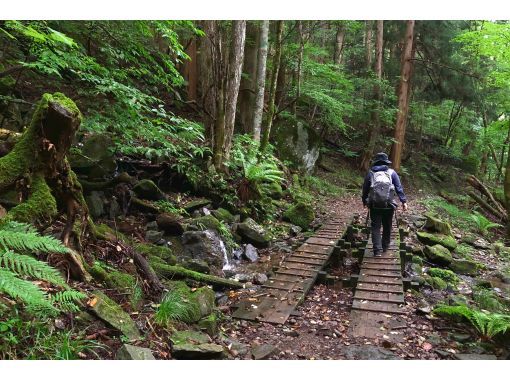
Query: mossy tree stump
38	170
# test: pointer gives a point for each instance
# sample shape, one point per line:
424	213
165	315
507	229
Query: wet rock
366	352
250	252
115	210
147	189
263	351
295	230
206	222
221	299
223	215
438	254
437	239
434	224
153	236
170	223
253	233
110	312
205	245
300	214
95	203
196	204
465	266
130	352
237	253
259	278
243	277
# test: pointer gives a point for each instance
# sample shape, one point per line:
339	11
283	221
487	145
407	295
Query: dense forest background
109	126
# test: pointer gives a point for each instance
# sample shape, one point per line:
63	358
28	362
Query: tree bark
368	44
375	129
247	90
235	66
272	90
299	64
506	189
339	44
261	80
403	96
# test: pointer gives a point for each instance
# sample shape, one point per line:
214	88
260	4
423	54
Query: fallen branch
487	207
478	185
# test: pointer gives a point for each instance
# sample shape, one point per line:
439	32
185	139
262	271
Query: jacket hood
379	168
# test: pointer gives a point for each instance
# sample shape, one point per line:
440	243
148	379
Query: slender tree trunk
506	188
272	90
403	96
233	80
300	61
261	80
339	44
375	130
368	44
210	45
247	91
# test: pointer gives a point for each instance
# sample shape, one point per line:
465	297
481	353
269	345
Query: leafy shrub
445	275
483	224
178	305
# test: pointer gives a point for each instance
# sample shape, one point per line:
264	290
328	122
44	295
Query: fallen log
478	185
172	272
487	207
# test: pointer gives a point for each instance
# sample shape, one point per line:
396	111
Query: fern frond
68	300
24	265
29	241
33	297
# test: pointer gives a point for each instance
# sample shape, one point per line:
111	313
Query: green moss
40	204
120	280
152	250
444	274
98	272
223	215
464	250
209	324
179	304
207	222
433	239
300	214
436	283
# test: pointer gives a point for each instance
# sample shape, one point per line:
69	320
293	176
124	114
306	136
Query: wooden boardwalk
378	308
280	296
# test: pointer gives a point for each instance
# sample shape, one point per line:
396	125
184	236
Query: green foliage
178	305
483	224
445	275
487	324
486	299
167	206
15	268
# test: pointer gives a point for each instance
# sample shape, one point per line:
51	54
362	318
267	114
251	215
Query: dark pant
380	217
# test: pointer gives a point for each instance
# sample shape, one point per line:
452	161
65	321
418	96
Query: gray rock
205	245
475	357
170	223
115	209
130	352
438	254
424	307
196	204
96	160
366	352
151	226
461	338
253	233
481	244
243	277
263	351
237	253
259	278
435	224
294	230
202	351
95	203
250	252
197	265
153	236
147	189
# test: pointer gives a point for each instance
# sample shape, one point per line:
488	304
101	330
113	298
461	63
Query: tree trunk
272	89
235	66
403	96
368	44
299	64
261	80
247	90
339	44
506	188
375	129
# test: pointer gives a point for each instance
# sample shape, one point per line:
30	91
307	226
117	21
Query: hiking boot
377	254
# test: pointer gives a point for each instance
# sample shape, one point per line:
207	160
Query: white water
226	261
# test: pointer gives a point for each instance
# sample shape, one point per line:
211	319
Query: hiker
379	188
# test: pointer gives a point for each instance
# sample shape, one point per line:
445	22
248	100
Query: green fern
487	324
483	224
17	267
178	305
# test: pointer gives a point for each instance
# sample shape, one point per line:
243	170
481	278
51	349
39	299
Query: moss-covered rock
206	222
196	265
273	190
253	233
223	215
120	280
98	272
147	189
172	224
300	214
465	266
151	250
444	274
433	239
209	324
196	204
436	283
109	311
438	254
130	352
434	224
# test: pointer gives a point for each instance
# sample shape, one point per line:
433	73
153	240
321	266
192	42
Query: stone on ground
434	224
300	214
253	233
263	351
194	345
147	189
205	245
170	223
196	204
223	215
130	352
250	252
433	239
438	254
465	266
366	352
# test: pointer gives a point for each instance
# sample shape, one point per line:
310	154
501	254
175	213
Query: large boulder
223	215
110	312
300	214
434	239
205	245
147	189
95	203
95	159
438	254
206	222
434	224
130	352
297	143
196	204
465	266
253	233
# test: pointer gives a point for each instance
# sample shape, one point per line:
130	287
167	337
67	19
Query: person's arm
366	189
398	188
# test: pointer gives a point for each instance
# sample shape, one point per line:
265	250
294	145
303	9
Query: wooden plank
379	280
287	277
297	273
308	267
314	249
293	259
377	306
375	296
383	288
251	310
389	267
307	255
319	241
385	274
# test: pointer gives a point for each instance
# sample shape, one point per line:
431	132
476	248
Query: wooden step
387	274
390	267
378	296
378	307
380	280
383	288
300	260
302	273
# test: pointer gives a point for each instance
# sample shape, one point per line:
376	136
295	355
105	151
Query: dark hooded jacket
395	179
